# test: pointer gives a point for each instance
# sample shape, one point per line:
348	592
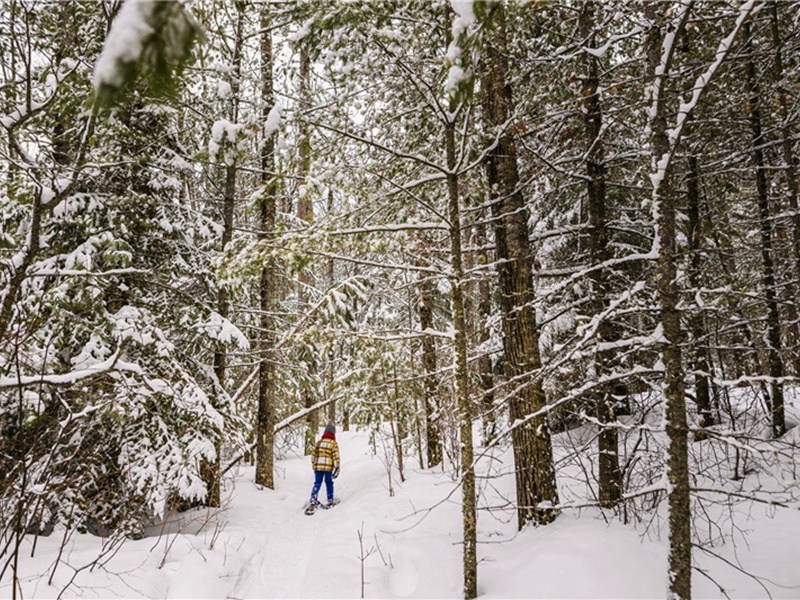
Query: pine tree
536	485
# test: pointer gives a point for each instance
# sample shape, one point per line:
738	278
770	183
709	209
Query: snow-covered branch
113	363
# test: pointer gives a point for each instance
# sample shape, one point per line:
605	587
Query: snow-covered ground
261	545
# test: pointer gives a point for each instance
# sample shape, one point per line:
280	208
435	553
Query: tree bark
773	337
267	393
430	385
461	372
331	411
305	214
485	360
461	380
609	473
699	352
678	499
790	172
211	469
533	455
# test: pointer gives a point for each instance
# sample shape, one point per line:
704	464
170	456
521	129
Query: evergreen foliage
413	215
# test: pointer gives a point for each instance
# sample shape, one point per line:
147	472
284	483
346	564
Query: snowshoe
330	504
311	508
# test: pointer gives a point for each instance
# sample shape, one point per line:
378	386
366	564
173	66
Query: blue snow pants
319	476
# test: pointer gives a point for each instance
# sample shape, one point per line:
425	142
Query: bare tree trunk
678	499
609	473
699	352
267	400
398	427
461	372
211	469
790	171
305	214
331	416
485	360
430	386
533	455
461	380
773	337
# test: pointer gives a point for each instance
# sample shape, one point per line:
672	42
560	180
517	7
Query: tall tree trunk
609	473
790	171
773	338
699	352
331	416
267	393
211	469
533	455
461	370
484	313
429	385
678	499
401	433
305	214
461	376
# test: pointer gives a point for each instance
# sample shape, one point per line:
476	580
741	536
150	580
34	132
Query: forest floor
261	545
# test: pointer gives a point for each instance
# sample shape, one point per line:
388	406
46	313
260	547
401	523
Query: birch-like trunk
331	411
461	366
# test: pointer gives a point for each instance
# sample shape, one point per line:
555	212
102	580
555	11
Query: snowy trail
261	545
279	565
289	553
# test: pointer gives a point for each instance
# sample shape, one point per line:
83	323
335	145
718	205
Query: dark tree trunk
267	401
210	470
331	416
400	433
305	214
609	473
533	456
678	498
773	338
790	171
461	376
484	313
699	352
461	373
430	385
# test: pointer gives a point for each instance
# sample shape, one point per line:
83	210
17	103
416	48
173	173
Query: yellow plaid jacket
326	455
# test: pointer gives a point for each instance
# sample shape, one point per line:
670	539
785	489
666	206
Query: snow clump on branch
457	73
464	10
124	43
274	119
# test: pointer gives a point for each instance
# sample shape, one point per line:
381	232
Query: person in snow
325	462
